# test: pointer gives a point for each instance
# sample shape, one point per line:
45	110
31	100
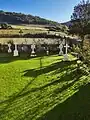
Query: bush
5	26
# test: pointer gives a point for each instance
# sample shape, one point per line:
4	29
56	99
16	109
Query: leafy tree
21	32
86	53
80	20
4	26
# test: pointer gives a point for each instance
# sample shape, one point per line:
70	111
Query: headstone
47	51
63	42
40	49
66	55
9	48
24	48
19	48
33	50
61	47
16	50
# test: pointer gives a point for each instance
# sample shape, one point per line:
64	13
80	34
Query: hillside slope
68	23
20	18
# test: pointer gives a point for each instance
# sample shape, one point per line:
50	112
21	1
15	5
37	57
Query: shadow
73	75
24	92
76	107
28	103
41	62
59	66
8	57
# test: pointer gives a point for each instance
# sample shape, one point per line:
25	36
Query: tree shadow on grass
8	57
22	94
60	66
13	103
76	107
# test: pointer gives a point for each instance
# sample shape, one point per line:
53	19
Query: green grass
25	31
32	29
43	88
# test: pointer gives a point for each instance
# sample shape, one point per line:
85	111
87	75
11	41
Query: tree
80	20
4	26
21	32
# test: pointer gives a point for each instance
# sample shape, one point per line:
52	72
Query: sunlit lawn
43	88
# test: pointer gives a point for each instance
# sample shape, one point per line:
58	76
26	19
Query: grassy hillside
24	31
33	31
13	22
43	88
20	18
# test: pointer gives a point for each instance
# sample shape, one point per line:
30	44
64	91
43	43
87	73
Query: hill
20	18
68	23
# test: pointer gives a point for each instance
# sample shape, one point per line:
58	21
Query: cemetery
45	75
34	86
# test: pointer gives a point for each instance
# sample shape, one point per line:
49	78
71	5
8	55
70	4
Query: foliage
10	42
59	28
86	52
30	35
5	26
81	26
21	32
80	20
76	48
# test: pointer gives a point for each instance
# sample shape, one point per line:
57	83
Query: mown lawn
43	88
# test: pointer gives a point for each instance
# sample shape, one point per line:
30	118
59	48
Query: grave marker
9	48
66	55
16	50
33	50
61	47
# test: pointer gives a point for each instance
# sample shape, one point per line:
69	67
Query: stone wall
29	40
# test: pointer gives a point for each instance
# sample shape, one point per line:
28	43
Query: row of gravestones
61	46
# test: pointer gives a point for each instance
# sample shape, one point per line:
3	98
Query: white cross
65	55
66	47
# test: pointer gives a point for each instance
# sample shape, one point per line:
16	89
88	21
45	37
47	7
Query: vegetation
43	88
33	32
81	25
16	25
32	24
9	32
20	18
35	35
5	26
80	20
